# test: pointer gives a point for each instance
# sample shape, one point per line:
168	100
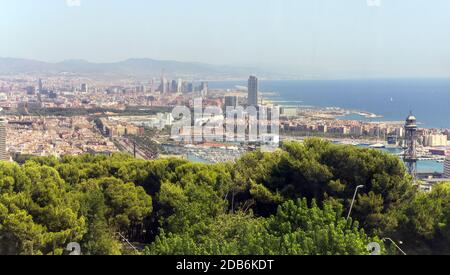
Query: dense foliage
292	201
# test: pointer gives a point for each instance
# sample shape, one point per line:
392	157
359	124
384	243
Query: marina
211	155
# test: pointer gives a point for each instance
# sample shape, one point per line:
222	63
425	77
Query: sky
373	37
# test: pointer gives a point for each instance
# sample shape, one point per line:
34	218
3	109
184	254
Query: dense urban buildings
3	153
103	116
55	136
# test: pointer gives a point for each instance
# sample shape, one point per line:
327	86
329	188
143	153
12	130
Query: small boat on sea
377	146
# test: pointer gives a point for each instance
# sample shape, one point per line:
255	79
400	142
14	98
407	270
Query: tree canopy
291	201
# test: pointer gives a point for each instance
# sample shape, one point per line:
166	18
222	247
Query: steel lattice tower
410	156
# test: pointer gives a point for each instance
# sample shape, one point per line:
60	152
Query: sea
389	99
392	99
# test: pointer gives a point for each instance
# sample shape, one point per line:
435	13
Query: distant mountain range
137	67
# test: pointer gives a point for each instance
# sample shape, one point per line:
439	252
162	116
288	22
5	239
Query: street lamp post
353	201
398	247
126	241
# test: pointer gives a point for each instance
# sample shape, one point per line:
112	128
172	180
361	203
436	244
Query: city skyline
394	39
226	127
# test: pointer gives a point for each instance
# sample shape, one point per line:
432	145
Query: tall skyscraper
163	87
173	86
40	86
84	88
204	89
3	152
253	94
167	89
179	86
152	85
447	167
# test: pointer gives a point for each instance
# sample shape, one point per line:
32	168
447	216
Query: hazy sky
399	37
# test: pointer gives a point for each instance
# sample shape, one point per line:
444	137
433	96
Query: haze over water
428	99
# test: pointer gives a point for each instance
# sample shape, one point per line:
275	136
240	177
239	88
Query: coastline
387	99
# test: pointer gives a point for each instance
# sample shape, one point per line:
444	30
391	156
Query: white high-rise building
40	85
204	89
447	167
435	140
3	153
163	88
179	86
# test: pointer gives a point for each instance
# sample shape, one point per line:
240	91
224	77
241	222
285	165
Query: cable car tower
410	155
